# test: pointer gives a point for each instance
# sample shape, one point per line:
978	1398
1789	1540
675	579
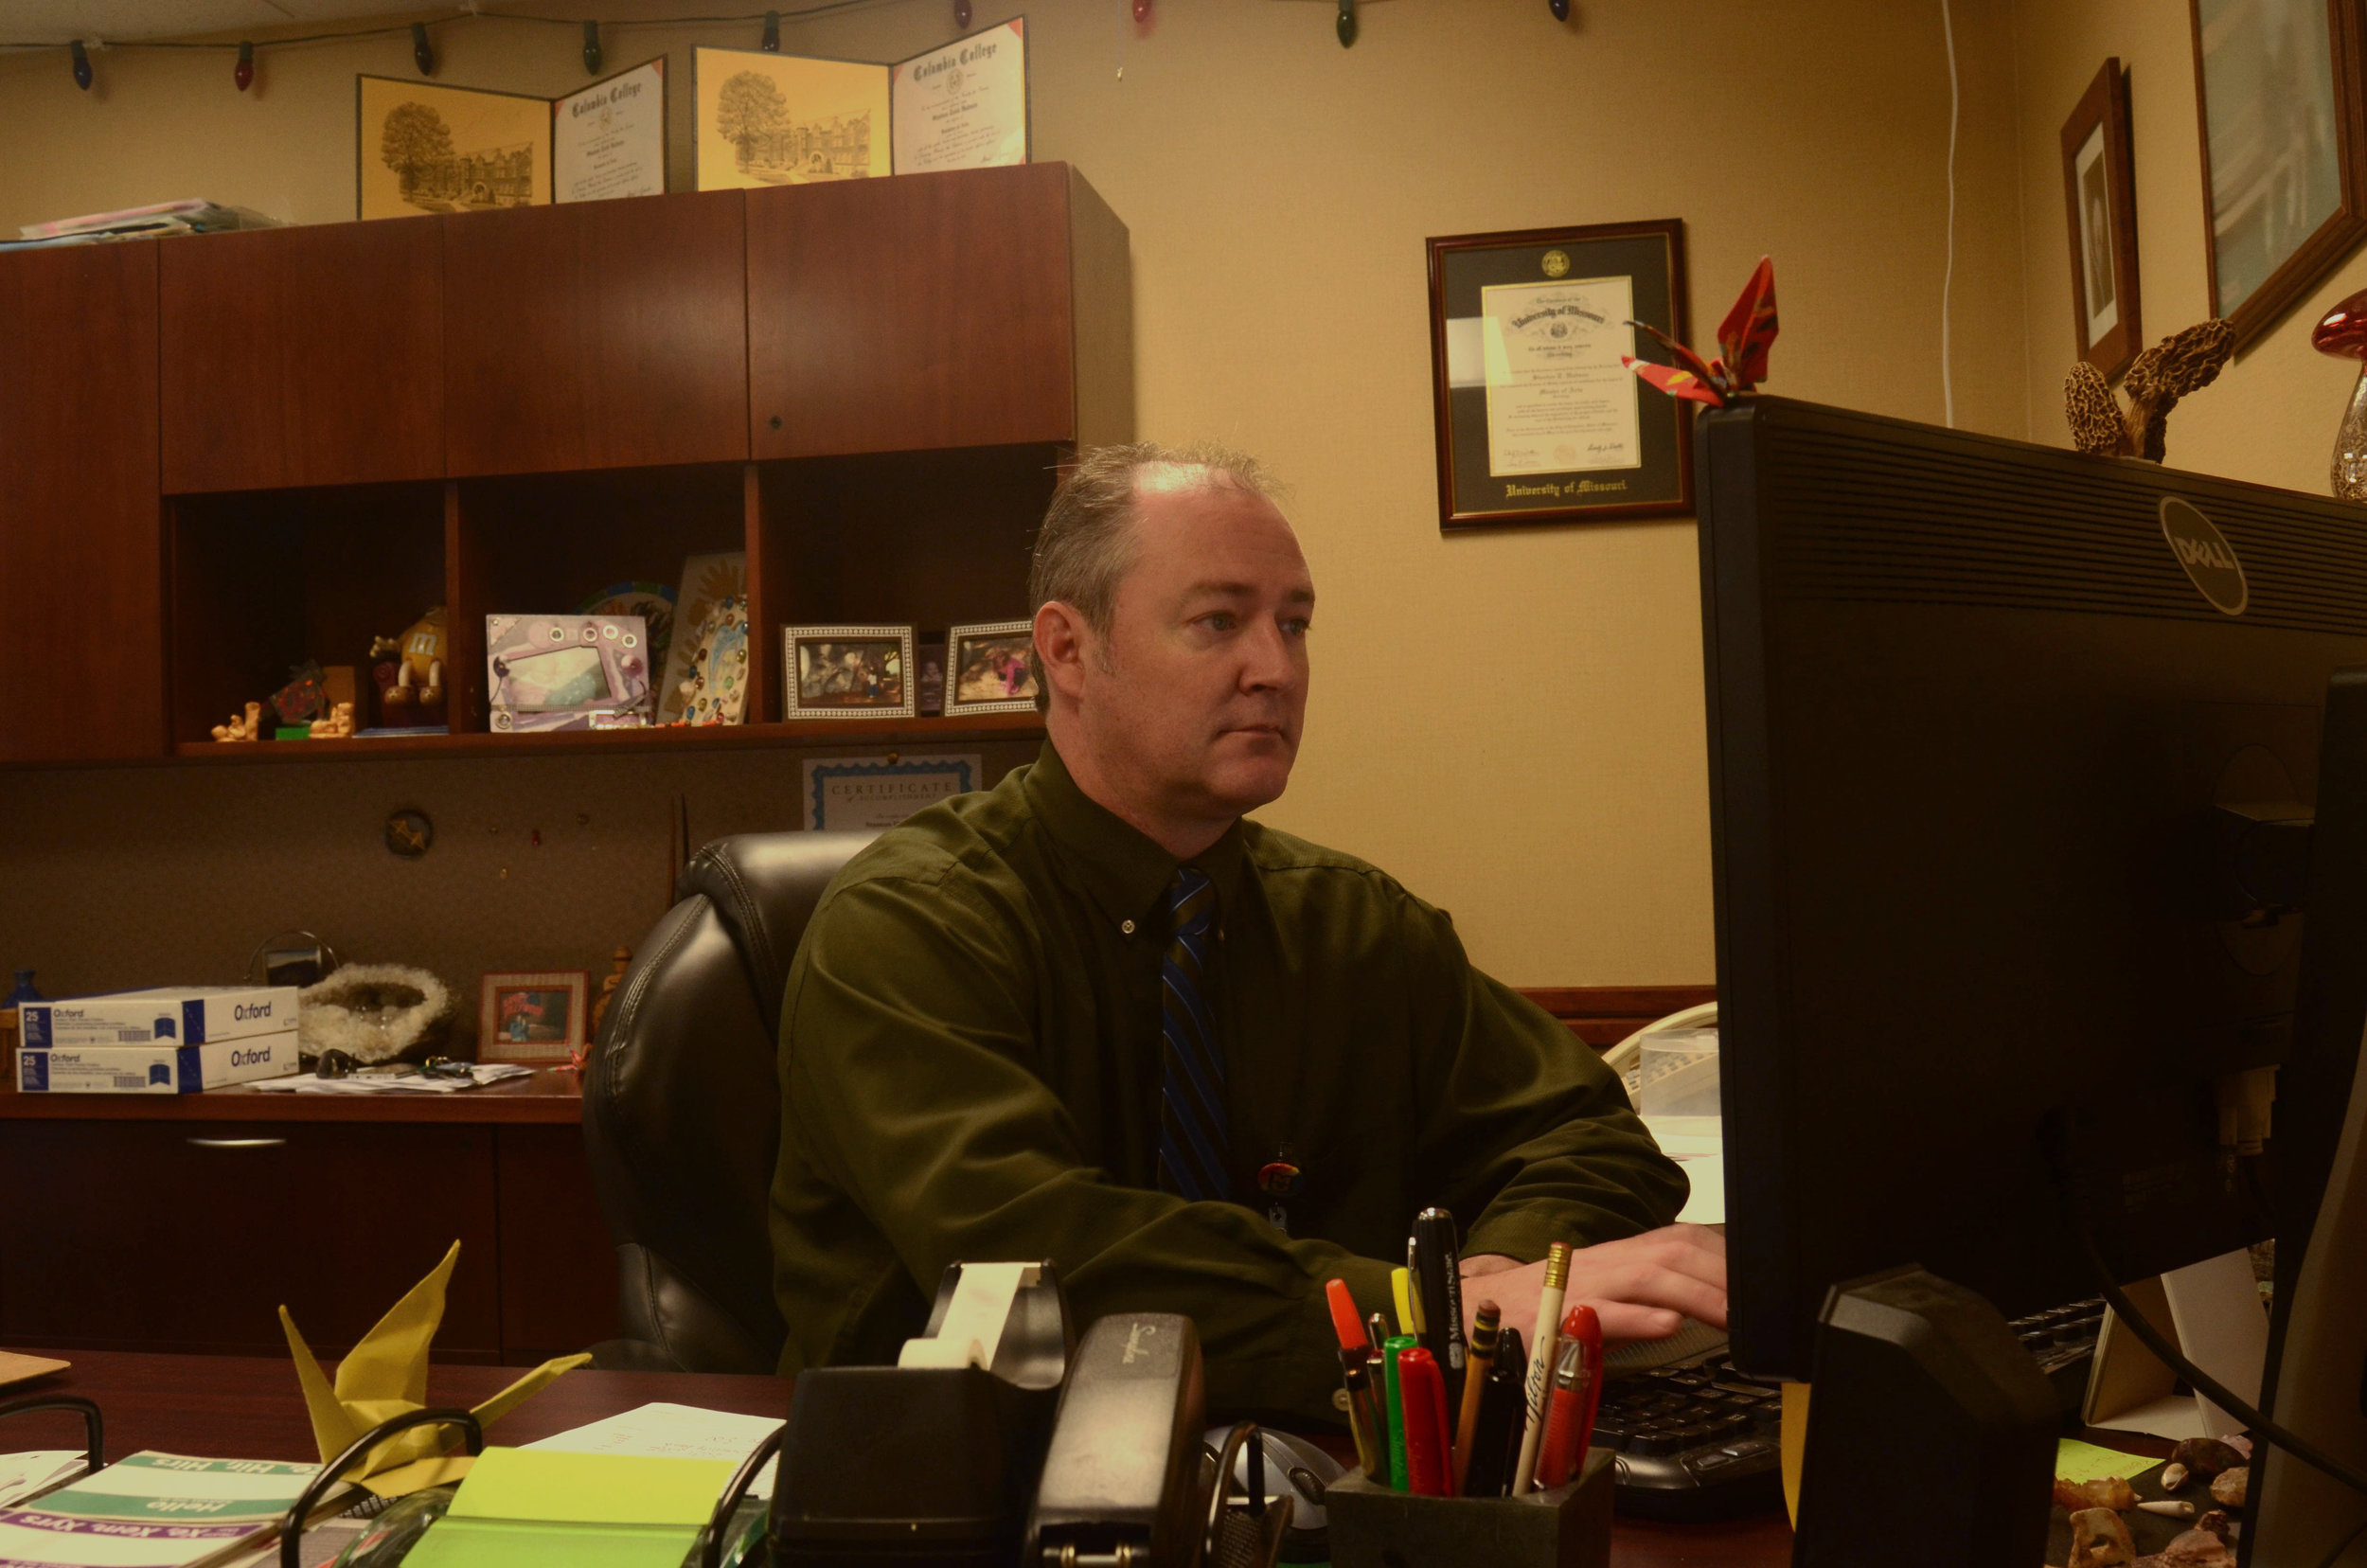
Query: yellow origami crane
385	1375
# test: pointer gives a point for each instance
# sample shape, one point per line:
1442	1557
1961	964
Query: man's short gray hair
1086	544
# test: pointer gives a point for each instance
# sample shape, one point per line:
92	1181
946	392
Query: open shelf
870	732
261	580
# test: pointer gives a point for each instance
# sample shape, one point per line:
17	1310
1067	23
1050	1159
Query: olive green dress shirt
971	1069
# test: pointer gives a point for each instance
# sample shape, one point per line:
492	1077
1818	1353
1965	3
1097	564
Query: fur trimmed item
374	1012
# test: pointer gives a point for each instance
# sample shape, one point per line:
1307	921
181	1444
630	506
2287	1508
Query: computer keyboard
1699	1441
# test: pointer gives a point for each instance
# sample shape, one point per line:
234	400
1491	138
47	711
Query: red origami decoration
1743	338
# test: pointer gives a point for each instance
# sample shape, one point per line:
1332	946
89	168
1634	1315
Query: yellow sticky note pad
2077	1461
550	1487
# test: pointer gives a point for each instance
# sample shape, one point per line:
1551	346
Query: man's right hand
1642	1287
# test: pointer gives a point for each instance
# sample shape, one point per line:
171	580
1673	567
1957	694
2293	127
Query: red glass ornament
243	72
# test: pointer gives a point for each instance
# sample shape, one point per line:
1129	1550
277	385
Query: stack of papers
22	1474
152	1510
522	1509
1698	1144
674	1431
193	215
395	1083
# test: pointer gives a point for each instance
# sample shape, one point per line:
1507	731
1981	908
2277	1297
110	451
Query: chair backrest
681	1104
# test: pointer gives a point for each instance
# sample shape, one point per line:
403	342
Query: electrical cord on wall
1948	277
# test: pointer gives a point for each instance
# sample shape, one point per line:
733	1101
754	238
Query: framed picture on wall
2284	149
532	1017
2101	201
1538	420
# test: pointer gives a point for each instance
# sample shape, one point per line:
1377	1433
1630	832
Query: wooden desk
235	1407
180	1223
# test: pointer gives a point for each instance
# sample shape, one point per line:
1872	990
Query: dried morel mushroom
2180	364
2100	1540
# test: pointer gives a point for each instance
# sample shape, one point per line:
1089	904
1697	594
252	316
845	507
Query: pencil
1482	1356
1542	1362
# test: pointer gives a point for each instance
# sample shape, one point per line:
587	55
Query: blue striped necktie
1191	1090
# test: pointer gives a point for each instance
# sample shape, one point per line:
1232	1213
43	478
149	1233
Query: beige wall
2270	417
1509	721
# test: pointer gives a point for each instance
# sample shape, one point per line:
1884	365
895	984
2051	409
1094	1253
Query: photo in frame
2100	200
1537	421
424	148
847	671
538	1016
2284	149
988	668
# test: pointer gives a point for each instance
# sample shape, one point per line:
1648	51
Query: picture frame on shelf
2100	202
1538	420
987	667
533	1015
2283	118
846	672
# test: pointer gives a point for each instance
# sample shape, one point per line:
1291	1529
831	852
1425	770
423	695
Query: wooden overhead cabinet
304	356
81	553
596	335
984	307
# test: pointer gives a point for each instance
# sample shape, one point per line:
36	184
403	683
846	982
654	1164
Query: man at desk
1095	1016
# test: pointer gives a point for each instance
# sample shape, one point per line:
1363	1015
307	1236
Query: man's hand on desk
1643	1286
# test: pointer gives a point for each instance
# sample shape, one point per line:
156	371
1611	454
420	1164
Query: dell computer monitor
2012	754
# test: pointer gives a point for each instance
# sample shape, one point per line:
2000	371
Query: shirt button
1127	926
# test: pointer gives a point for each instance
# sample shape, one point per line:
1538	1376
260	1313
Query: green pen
1398	1478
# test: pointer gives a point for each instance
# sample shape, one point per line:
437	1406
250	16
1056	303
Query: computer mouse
1298	1466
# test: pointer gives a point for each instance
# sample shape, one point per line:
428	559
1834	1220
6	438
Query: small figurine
1743	340
2182	363
2344	334
618	962
248	729
337	726
403	704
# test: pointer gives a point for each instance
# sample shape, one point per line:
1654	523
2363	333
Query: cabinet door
304	356
928	311
81	532
596	335
558	1267
189	1235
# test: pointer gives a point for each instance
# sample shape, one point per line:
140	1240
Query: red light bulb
1142	13
243	72
962	14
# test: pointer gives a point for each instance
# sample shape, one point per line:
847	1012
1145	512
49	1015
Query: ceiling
53	21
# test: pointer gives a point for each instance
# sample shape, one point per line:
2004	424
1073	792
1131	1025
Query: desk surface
237	1407
552	1094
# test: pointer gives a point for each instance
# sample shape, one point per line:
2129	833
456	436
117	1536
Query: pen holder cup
1568	1527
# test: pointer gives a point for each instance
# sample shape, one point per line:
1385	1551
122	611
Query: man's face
1195	706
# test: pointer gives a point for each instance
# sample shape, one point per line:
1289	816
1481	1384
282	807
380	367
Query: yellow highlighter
1401	1290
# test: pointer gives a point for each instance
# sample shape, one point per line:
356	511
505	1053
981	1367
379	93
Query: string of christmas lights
423	48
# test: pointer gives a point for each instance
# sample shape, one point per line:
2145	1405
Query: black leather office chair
682	1107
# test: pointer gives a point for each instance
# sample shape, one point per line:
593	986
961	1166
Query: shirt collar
1123	869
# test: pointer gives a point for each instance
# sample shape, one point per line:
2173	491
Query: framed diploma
610	139
1538	420
963	106
867	793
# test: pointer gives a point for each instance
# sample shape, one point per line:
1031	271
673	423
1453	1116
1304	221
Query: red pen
1344	1322
1577	1391
1428	1453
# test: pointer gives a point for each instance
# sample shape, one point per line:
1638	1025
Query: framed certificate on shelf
1538	420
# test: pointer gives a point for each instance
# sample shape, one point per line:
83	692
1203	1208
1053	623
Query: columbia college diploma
964	106
1558	398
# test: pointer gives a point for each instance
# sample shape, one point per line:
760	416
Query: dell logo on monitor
2211	566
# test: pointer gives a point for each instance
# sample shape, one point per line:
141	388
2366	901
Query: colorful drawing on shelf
707	581
525	1017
